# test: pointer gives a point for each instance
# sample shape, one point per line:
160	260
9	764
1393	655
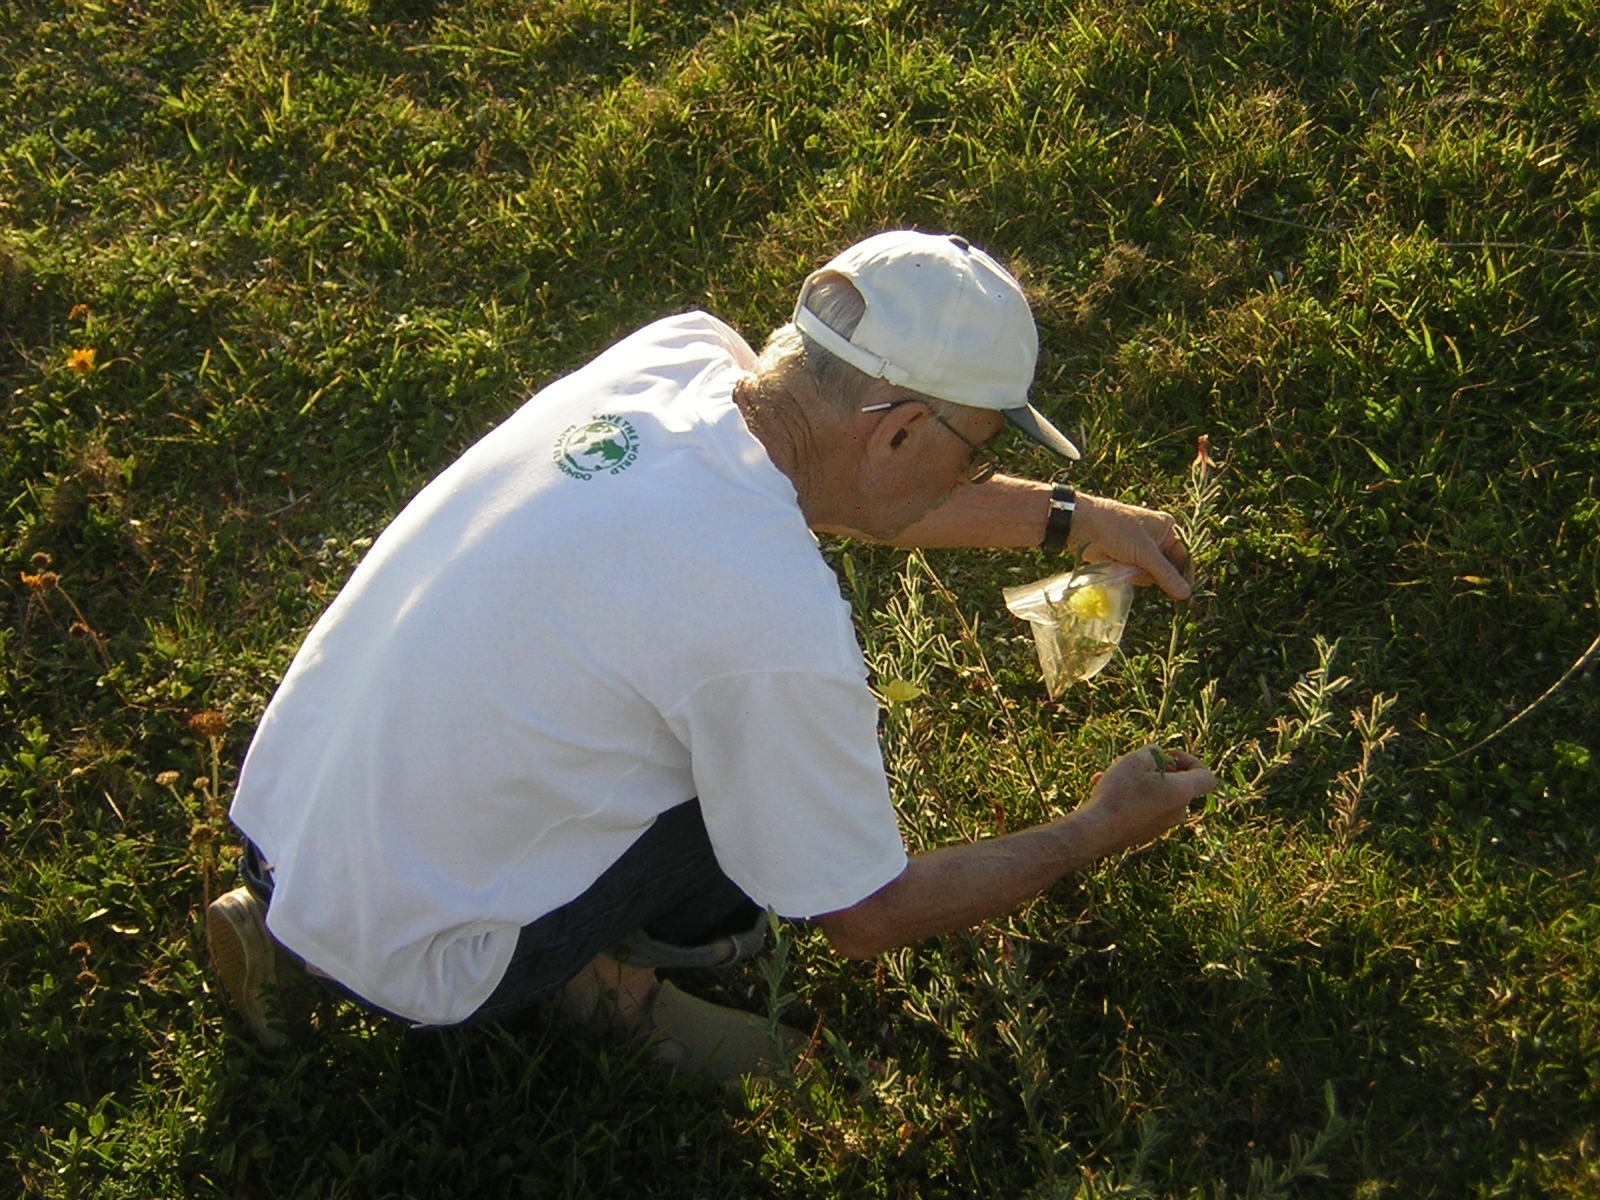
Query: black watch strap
1063	502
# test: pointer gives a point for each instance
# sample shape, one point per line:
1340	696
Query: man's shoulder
691	333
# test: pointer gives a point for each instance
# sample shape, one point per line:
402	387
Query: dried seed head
209	724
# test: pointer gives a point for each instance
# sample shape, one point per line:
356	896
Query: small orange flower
81	360
80	312
44	581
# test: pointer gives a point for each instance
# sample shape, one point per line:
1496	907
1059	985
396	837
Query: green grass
317	249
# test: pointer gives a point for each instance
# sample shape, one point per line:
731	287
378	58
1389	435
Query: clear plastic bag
1077	619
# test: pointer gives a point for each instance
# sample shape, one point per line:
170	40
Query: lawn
1321	278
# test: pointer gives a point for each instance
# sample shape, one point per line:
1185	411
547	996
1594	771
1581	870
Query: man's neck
798	444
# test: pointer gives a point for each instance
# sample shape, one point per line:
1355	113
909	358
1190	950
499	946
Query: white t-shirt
609	605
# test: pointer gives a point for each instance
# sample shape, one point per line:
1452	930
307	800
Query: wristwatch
1063	502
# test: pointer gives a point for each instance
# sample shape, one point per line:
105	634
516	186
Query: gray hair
803	368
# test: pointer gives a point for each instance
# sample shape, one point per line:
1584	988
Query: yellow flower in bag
1092	603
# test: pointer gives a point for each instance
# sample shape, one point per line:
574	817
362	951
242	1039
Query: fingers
1191	777
1170	761
1195	781
1177	553
1182	770
1171	580
1154	568
1140	537
1136	799
1171	570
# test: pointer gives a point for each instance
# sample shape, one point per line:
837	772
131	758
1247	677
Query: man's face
939	454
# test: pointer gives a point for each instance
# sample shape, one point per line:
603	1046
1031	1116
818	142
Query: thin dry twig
1583	660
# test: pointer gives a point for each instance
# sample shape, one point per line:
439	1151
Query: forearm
959	886
1133	801
1008	513
1002	514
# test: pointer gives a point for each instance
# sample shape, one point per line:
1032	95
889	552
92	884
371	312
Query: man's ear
894	428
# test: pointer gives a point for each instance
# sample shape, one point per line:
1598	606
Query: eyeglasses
981	463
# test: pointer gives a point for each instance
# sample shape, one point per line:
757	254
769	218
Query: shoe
639	949
696	1037
245	959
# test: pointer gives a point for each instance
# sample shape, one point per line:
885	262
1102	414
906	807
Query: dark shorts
667	886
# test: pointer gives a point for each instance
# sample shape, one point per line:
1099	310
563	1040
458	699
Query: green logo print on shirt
607	445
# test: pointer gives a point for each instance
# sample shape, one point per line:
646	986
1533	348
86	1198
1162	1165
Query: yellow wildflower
81	360
1092	603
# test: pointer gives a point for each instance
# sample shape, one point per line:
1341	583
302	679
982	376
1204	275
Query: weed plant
1321	277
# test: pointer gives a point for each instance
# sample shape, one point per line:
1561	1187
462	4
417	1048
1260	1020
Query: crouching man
544	740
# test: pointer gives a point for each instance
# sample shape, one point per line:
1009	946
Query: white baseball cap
943	319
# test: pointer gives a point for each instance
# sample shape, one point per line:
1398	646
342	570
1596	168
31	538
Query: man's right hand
1140	796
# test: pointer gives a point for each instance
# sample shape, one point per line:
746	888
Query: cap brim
1031	421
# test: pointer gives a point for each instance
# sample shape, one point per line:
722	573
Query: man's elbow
860	951
853	937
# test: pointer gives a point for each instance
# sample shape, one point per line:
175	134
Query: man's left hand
1111	531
